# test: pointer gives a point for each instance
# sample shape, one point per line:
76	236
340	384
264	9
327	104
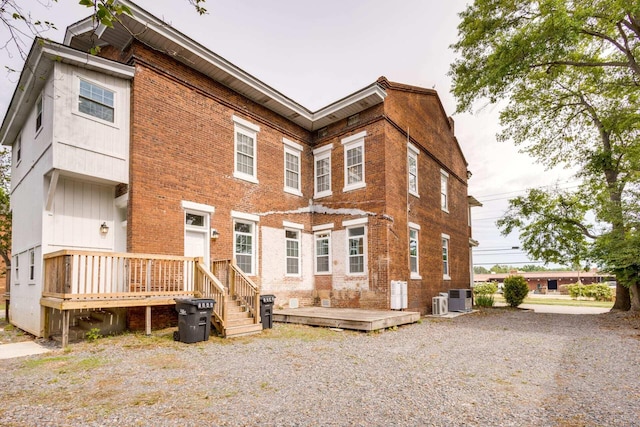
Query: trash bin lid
267	298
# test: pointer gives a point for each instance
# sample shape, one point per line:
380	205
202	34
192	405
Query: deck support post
65	327
147	320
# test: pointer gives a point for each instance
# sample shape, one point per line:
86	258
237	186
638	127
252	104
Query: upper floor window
292	239
414	250
39	114
445	257
412	168
96	101
292	167
17	149
444	191
246	134
354	161
322	171
323	252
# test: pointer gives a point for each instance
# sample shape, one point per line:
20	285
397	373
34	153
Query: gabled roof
154	32
34	75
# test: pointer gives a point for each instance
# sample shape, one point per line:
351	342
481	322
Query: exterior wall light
104	228
214	234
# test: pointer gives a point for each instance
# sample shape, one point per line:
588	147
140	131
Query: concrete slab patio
21	349
346	318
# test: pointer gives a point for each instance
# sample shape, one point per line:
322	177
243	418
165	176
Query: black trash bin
194	319
266	310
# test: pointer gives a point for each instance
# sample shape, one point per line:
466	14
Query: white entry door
196	235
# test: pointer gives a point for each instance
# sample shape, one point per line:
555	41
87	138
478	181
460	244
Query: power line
482	199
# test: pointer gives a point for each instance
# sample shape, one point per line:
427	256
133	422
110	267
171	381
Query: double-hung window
322	171
246	150
414	250
354	170
244	251
323	252
32	264
96	101
16	270
412	169
444	191
292	167
292	240
17	149
445	257
356	237
39	114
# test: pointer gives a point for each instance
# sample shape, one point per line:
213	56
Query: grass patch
561	301
302	332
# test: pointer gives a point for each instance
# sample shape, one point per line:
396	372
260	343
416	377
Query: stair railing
208	286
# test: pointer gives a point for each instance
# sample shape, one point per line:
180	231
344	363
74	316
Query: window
444	191
292	167
39	114
354	161
292	239
244	252
445	257
356	242
16	269
323	252
322	171
194	220
96	101
412	168
17	148
414	250
32	264
245	150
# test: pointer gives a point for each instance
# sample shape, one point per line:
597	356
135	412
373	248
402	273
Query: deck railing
239	284
96	275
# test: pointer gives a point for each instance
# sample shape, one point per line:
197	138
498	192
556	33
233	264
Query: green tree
5	212
570	73
515	290
478	269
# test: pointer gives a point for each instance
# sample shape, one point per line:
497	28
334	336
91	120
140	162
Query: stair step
239	322
235	331
238	315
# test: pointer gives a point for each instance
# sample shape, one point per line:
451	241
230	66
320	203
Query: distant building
548	280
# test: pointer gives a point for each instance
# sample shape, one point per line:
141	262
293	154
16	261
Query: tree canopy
569	73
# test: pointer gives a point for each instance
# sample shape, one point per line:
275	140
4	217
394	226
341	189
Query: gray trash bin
194	319
266	310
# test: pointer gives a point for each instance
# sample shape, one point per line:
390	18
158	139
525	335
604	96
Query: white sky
316	52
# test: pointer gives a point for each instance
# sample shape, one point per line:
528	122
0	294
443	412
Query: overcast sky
317	52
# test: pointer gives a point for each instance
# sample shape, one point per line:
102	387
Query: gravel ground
497	367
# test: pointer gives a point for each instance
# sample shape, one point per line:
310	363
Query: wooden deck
346	318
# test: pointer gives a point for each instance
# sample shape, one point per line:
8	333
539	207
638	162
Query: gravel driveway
498	367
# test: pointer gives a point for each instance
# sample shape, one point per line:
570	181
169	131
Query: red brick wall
164	316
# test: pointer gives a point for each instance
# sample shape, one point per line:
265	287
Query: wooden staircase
240	321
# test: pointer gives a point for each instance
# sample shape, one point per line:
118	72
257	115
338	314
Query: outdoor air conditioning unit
460	300
439	306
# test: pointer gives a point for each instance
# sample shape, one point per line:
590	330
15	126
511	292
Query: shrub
485	288
484	300
515	290
599	292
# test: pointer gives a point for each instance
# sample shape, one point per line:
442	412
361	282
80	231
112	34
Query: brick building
173	150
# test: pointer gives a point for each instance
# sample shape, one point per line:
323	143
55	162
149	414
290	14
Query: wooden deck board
346	318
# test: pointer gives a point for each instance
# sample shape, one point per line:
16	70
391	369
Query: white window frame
415	228
350	225
293	149
350	143
39	114
250	219
32	265
76	108
17	147
412	155
446	256
318	236
250	130
16	269
320	154
298	241
444	191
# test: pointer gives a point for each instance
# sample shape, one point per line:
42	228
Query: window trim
351	143
321	153
412	154
253	220
18	143
253	244
295	150
32	264
76	107
16	269
364	249
250	130
297	240
416	228
445	245
444	191
316	238
39	115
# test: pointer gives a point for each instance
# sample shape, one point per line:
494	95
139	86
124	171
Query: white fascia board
79	27
374	89
86	60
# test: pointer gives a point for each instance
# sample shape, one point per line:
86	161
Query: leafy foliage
485	288
484	301
515	290
599	292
